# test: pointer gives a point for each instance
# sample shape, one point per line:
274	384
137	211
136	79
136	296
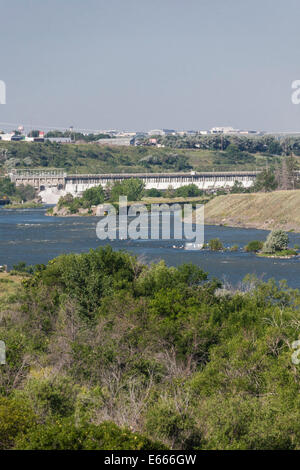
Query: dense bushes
90	197
277	240
254	246
189	190
104	352
20	193
16	417
64	434
215	244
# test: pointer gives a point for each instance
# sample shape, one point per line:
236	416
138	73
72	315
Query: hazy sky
144	64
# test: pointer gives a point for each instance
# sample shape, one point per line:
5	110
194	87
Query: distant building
231	130
126	134
169	131
157	132
184	133
223	130
203	132
250	132
59	140
162	132
191	132
17	138
6	137
107	131
118	141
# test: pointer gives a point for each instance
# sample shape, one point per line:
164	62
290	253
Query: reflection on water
28	235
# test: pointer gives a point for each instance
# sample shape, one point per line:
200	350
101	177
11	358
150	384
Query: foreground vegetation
105	352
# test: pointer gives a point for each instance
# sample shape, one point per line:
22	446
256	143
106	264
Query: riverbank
25	205
265	211
64	211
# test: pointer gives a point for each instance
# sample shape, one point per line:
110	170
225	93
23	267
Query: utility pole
71	130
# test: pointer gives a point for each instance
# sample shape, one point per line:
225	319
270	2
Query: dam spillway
55	182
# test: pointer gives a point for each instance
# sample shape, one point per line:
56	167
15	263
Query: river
29	235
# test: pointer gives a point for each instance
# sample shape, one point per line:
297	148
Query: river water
31	236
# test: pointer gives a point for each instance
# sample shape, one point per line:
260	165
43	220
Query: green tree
277	240
26	193
7	188
189	190
265	181
237	188
93	196
133	188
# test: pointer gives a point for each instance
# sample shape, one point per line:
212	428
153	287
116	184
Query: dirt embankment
65	212
278	209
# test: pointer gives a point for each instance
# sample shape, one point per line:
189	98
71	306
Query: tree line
266	144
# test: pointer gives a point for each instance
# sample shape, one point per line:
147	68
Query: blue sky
142	64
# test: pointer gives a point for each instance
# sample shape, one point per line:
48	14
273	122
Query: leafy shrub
153	192
215	244
16	417
65	201
65	435
254	246
177	428
189	190
86	277
22	267
234	248
93	196
50	396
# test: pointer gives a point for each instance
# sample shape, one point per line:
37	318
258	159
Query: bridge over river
55	182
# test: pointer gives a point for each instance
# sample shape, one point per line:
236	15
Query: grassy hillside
278	209
93	158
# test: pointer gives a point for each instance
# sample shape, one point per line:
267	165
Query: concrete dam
54	183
